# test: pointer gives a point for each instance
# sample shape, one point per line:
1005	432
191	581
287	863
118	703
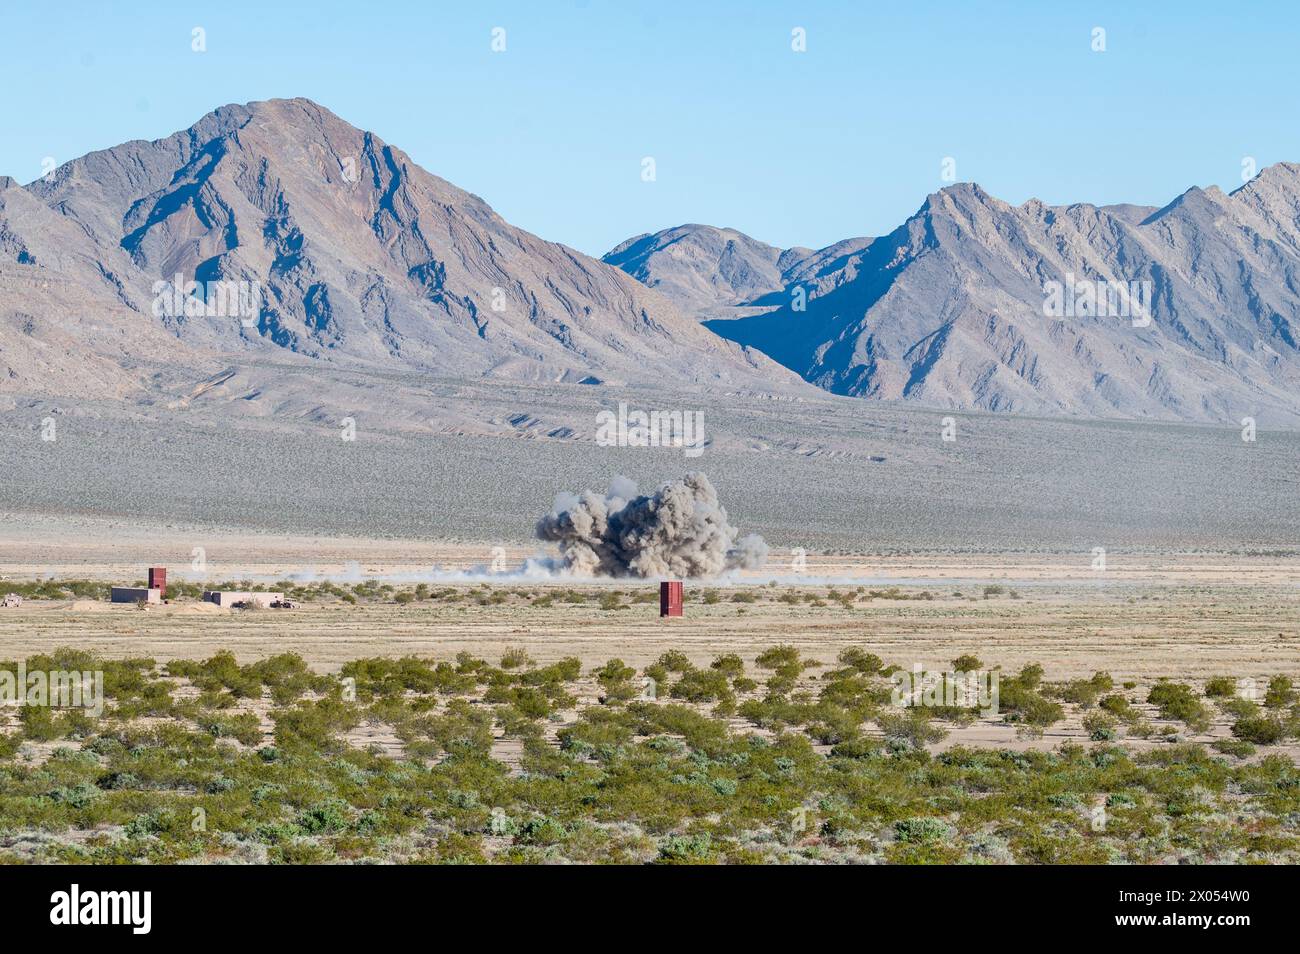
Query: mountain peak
703	269
357	256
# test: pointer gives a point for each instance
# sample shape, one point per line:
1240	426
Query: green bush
921	829
1101	726
1260	730
1239	748
515	658
1279	693
674	661
909	727
1220	687
1175	700
778	656
861	660
729	664
702	685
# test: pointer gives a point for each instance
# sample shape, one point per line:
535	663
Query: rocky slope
703	269
949	309
349	253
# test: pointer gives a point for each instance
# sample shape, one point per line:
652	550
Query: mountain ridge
949	308
361	259
358	256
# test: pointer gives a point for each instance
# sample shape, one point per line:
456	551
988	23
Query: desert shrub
615	677
530	702
1141	729
778	656
244	726
1279	693
614	671
967	663
1220	687
392	677
515	657
38	723
462	729
1238	707
1020	701
783	678
314	725
674	661
1239	748
612	601
221	671
993	590
1175	700
832	725
860	747
685	850
701	685
565	670
1082	692
861	660
1031	676
729	664
701	732
1259	730
744	596
909	727
1101	726
921	829
1118	706
287	676
329	815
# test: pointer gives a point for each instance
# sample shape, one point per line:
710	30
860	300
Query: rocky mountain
1188	312
278	231
710	272
275	234
703	269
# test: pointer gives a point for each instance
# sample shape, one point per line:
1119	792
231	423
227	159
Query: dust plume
680	530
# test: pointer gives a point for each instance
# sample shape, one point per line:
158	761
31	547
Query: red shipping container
158	579
670	598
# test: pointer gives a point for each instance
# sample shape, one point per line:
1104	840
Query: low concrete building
236	597
134	594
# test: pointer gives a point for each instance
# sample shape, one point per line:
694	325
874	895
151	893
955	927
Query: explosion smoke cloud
679	530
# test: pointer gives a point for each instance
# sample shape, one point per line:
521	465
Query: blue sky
807	148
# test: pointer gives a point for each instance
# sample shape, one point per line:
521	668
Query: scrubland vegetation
777	758
487	594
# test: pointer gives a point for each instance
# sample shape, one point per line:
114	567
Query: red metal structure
158	580
670	598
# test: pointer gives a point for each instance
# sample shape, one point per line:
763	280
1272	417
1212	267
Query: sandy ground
101	548
1138	633
1135	630
1145	617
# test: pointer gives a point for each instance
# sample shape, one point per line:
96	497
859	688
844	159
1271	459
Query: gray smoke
680	530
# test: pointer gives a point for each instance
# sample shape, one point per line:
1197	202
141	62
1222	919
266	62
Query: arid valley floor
1135	587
